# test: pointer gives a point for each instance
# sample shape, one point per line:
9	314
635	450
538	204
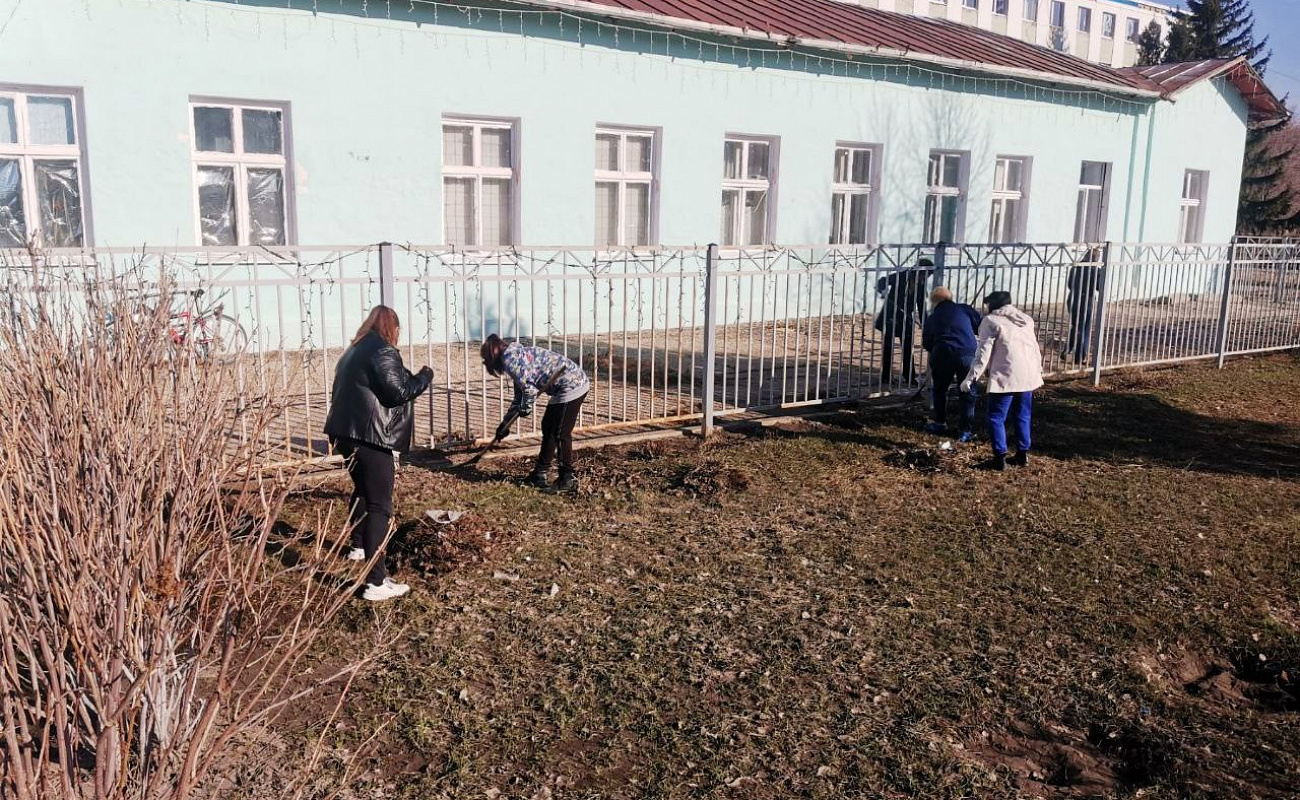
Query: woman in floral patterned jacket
537	370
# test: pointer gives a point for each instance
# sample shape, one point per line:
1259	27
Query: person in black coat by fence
370	419
1082	289
904	304
949	337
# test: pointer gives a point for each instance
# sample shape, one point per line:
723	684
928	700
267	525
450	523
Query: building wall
1092	45
366	96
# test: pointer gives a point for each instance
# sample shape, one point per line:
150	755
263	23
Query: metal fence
689	334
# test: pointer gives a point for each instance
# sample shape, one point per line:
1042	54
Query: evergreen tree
1180	45
1269	202
1151	47
1226	29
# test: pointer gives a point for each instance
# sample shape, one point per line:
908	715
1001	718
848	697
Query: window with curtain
1133	29
1000	6
1058	14
1010	194
853	194
1030	11
748	177
1191	208
945	198
479	179
625	187
1085	20
1108	25
1090	210
40	170
241	174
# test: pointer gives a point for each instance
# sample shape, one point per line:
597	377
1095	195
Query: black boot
568	482
997	463
538	479
1020	459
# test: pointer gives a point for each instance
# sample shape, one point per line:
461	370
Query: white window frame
624	177
1194	204
242	162
1102	193
1027	13
1052	19
973	5
1108	25
28	154
1004	5
478	173
841	228
1001	195
1085	20
744	185
1133	29
961	192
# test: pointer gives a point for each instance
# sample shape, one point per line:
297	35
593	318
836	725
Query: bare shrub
145	629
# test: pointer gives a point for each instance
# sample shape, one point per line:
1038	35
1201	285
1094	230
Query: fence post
386	288
1225	303
710	336
1099	335
940	259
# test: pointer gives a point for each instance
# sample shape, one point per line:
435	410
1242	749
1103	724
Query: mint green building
615	123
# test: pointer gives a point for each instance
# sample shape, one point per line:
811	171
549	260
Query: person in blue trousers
1007	351
949	337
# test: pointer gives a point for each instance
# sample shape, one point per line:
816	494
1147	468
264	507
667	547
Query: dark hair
997	300
494	347
383	321
925	262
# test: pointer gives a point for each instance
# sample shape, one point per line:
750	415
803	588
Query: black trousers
371	509
906	333
947	368
557	434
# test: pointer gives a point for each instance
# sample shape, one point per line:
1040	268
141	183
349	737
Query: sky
1280	21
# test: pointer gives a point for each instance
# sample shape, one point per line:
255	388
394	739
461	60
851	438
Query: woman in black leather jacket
370	418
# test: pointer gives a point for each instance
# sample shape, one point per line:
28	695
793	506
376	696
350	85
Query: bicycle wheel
221	337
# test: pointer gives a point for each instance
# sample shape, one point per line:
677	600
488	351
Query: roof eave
834	46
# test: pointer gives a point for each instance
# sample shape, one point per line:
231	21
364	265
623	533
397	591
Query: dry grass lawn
838	609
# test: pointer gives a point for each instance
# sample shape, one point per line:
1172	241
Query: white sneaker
355	554
384	591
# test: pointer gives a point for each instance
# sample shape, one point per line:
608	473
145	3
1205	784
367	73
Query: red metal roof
829	23
1173	78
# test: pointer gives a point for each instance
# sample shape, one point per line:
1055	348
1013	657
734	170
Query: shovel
511	416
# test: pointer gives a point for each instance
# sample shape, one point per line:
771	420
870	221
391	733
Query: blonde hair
939	295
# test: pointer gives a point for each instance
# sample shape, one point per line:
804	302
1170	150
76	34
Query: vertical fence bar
387	289
1225	303
710	335
1099	336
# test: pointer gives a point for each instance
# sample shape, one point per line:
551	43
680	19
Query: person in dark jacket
370	419
904	304
949	337
1082	286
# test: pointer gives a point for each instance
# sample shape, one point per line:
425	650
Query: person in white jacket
1008	352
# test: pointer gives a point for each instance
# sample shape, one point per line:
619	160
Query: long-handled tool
503	430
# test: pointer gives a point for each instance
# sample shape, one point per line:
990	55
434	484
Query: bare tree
144	627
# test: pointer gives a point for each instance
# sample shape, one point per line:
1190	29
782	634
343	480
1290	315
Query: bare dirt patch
801	611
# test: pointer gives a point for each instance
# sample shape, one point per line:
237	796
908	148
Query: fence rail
672	335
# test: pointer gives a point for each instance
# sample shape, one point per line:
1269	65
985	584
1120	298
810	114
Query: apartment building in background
1101	31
